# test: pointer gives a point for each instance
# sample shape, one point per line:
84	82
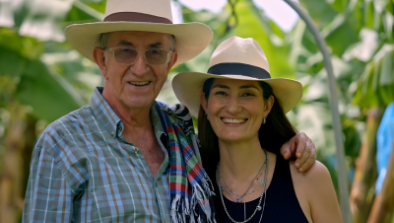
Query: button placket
135	150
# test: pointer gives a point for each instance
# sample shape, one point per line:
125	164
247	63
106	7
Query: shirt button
112	133
166	221
120	128
135	150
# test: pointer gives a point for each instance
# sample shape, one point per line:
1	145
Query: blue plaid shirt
83	170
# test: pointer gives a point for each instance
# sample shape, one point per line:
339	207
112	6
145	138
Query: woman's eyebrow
220	86
248	86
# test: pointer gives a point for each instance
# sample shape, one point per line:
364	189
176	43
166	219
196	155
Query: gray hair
104	39
172	42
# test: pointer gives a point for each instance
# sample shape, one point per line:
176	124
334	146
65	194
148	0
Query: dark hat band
239	69
135	17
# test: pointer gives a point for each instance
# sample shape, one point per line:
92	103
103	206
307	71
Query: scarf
191	190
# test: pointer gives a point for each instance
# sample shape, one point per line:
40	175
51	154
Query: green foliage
51	87
376	87
40	70
252	24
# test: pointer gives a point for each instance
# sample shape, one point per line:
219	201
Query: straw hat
240	59
140	15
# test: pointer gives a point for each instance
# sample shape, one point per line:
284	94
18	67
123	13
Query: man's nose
140	67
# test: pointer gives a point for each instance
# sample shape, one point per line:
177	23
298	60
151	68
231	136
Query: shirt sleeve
48	196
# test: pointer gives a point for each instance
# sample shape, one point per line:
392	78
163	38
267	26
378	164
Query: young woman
242	125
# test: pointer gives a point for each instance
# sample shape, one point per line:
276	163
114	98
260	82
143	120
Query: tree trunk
362	192
383	206
19	142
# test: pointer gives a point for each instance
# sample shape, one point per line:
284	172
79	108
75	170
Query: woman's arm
315	188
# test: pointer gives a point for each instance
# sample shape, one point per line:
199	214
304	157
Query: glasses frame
112	49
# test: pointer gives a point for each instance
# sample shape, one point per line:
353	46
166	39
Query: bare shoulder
315	188
317	172
317	178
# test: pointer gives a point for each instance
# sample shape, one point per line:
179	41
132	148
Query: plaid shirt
83	170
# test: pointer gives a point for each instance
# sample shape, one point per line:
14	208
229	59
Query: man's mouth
234	120
140	83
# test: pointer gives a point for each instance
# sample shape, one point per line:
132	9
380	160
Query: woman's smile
235	109
234	120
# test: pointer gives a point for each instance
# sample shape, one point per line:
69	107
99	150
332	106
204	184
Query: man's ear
268	105
99	58
173	59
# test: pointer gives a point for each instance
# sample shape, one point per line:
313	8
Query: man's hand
301	147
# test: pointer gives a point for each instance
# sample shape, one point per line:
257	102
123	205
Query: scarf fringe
195	207
199	199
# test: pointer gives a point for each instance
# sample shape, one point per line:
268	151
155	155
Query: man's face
135	85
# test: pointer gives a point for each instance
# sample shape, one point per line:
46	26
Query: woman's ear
203	102
268	105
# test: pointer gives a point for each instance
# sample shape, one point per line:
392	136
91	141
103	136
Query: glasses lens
125	55
156	56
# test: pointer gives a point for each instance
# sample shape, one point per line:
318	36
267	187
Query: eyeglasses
126	55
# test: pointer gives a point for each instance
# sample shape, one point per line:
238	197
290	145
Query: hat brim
191	38
188	86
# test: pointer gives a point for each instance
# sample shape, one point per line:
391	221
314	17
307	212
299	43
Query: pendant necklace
263	194
238	197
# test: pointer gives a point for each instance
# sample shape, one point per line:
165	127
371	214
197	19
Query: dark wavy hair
272	135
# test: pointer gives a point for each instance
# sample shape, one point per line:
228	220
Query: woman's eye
247	94
220	93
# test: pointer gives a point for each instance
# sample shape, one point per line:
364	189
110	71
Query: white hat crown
160	8
145	16
240	50
238	59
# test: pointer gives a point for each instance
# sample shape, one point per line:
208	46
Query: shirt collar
107	117
104	113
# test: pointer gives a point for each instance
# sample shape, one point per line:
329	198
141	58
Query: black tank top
281	204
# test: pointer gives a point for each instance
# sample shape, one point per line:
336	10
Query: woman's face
236	109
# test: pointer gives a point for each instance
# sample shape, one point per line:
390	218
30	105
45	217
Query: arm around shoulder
322	197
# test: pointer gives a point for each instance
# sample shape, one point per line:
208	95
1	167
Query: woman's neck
240	160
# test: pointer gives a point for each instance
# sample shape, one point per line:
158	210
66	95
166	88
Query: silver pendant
258	208
262	181
239	200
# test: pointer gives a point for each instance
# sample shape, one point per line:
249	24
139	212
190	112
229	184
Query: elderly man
125	157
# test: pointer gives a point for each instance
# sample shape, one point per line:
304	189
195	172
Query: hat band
136	17
239	69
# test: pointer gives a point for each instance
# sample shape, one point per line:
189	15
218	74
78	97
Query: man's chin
140	103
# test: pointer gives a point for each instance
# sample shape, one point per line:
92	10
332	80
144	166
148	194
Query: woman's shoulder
313	182
316	194
316	173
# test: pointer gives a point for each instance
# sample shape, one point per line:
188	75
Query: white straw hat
241	59
141	15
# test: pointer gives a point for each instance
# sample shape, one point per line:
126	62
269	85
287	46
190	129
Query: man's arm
48	196
302	148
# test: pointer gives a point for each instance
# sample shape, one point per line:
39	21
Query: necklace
249	190
263	194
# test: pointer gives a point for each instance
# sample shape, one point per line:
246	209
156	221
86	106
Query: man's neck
131	117
139	131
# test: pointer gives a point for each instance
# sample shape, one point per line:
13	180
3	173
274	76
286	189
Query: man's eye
126	50
154	52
